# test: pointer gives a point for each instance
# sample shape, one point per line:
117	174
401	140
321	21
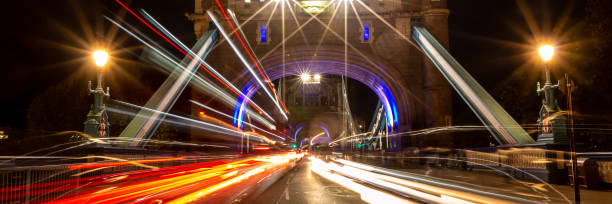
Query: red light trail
187	55
169	184
108	164
251	56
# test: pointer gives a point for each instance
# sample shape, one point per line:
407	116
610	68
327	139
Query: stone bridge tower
422	94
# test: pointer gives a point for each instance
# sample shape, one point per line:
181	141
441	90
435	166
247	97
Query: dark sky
35	38
41	52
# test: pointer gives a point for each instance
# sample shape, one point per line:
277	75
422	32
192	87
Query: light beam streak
174	45
390	108
367	194
294	32
122	163
246	64
201	62
407	39
242	33
245	22
229	116
275	98
297	23
204	125
206	85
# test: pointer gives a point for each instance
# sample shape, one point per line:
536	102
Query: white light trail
246	64
200	60
407	39
201	124
331	19
239	29
367	194
170	96
294	32
297	23
231	117
382	95
447	192
315	137
245	22
205	85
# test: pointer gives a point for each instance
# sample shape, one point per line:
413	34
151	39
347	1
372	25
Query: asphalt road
300	185
490	181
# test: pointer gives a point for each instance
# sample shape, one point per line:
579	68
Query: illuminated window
366	33
264	34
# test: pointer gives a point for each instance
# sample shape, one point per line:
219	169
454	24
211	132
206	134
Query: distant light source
546	52
310	79
201	113
100	57
305	77
311	6
261	148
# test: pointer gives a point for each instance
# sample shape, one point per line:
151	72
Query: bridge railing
41	184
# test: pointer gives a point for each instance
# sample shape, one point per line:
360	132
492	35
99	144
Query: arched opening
379	79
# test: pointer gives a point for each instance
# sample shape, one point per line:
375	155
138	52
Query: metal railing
39	184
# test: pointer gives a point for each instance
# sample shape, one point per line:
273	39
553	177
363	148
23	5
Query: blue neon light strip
238	114
263	33
366	32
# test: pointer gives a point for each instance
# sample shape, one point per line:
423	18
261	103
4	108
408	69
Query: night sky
36	55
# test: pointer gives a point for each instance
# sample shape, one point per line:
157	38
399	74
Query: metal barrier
605	171
588	173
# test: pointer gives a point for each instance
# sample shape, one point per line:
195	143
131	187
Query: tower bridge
309	36
281	67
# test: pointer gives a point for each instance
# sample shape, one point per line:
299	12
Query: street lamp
100	57
546	53
97	124
305	77
548	132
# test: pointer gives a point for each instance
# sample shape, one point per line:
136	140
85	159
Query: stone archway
381	80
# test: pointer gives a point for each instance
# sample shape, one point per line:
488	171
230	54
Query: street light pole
97	124
573	157
546	53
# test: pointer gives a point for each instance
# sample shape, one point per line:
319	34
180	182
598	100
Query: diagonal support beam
501	125
146	123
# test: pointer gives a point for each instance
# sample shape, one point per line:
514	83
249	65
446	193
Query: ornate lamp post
553	126
551	123
97	124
